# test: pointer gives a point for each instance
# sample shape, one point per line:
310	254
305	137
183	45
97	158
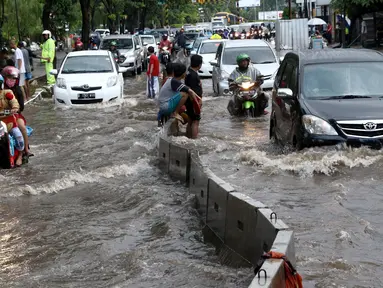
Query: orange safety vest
292	277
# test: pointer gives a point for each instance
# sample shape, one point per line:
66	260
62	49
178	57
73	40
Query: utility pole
290	12
17	19
263	7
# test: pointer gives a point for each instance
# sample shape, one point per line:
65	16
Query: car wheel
272	132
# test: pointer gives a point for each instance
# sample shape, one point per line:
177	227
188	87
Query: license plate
87	96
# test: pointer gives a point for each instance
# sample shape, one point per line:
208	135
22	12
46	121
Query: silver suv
130	47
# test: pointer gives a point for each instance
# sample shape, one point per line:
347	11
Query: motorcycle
165	55
60	46
8	153
246	93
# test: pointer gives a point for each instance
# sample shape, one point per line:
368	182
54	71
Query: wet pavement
93	210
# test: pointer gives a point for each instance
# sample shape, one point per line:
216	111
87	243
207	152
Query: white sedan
88	77
208	50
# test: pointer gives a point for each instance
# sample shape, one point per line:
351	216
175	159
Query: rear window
121	43
209	48
87	64
147	40
192	36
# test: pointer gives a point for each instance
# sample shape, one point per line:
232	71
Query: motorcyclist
78	45
265	31
10	75
243	73
8	101
232	33
215	36
114	50
165	42
181	39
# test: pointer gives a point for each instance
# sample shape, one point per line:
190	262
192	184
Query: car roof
89	53
147	35
245	43
312	56
118	36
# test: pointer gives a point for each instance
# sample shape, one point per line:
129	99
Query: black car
329	96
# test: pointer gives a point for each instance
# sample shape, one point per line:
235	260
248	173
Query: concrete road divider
179	163
163	154
241	228
217	205
199	183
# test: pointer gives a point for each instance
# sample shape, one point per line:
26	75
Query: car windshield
342	79
258	55
196	44
209	48
121	43
147	40
87	64
191	36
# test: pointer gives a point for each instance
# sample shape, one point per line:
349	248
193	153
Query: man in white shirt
19	64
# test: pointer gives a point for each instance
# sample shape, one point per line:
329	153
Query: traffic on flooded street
229	153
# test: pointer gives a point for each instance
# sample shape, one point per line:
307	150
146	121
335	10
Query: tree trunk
85	11
45	19
143	19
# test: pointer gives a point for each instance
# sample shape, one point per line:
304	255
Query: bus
231	18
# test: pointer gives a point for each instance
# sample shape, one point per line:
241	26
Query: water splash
311	161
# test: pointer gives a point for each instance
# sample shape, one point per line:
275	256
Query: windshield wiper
265	62
350	96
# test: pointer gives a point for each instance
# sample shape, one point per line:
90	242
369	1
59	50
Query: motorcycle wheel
230	108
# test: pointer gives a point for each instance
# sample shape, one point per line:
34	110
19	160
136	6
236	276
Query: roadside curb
240	227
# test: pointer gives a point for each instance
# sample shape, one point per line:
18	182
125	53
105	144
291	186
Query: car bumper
128	64
206	70
325	140
69	97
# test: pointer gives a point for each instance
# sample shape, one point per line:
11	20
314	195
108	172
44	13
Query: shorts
190	111
170	106
22	79
28	76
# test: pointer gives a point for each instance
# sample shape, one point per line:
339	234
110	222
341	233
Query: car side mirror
285	93
214	63
122	69
54	72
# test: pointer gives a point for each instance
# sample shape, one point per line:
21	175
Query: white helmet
47	32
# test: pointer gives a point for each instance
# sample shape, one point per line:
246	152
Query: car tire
298	142
272	131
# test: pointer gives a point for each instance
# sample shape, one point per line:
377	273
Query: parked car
208	50
260	52
103	32
130	47
327	97
88	77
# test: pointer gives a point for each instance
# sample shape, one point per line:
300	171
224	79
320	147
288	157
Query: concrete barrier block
274	277
179	163
268	225
163	155
241	226
284	243
199	183
218	193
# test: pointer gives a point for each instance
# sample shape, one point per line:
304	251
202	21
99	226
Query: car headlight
60	83
112	81
224	75
318	126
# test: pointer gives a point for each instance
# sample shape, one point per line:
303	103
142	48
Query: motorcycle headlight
224	75
60	83
112	81
318	126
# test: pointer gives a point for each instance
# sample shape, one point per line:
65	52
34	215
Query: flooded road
92	209
330	196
